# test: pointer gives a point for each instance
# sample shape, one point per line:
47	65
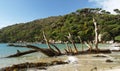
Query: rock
100	56
59	62
94	69
108	60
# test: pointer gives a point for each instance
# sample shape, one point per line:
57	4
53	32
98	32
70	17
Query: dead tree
96	34
46	51
22	53
69	50
89	44
71	40
81	43
58	52
47	43
90	47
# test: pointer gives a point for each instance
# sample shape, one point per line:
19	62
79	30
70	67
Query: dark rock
100	56
94	69
59	62
108	60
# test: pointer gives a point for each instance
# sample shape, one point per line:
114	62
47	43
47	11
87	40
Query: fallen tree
21	53
46	51
55	51
51	50
39	65
73	43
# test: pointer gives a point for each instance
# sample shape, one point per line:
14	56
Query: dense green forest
78	23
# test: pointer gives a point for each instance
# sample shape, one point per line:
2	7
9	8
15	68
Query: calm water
6	50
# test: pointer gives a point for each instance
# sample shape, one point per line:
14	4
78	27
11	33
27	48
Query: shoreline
80	62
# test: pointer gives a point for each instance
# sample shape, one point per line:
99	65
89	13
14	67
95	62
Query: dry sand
84	63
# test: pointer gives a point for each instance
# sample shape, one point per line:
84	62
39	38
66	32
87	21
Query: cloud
108	5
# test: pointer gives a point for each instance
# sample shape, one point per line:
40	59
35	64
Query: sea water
6	50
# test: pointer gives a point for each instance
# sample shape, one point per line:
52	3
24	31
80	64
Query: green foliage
117	11
78	23
117	38
106	36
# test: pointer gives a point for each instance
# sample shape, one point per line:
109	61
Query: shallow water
6	50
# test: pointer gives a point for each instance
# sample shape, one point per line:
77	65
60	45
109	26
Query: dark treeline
78	23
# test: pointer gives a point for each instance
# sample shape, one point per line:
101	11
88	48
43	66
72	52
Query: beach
88	62
84	63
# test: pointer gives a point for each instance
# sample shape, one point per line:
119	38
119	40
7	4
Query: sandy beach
84	63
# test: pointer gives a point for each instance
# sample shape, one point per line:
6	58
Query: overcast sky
20	11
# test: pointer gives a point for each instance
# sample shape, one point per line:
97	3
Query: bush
117	38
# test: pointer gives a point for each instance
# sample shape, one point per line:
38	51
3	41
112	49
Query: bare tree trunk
46	40
66	51
89	46
81	43
58	50
96	34
56	53
46	51
69	48
70	38
22	53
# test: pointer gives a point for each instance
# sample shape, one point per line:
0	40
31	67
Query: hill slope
78	23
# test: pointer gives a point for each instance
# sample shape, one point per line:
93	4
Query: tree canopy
78	23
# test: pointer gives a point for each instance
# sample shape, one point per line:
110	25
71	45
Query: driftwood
50	53
73	43
115	50
21	53
100	51
46	40
25	66
58	52
94	51
68	50
89	46
45	51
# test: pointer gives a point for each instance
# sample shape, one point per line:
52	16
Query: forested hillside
78	23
